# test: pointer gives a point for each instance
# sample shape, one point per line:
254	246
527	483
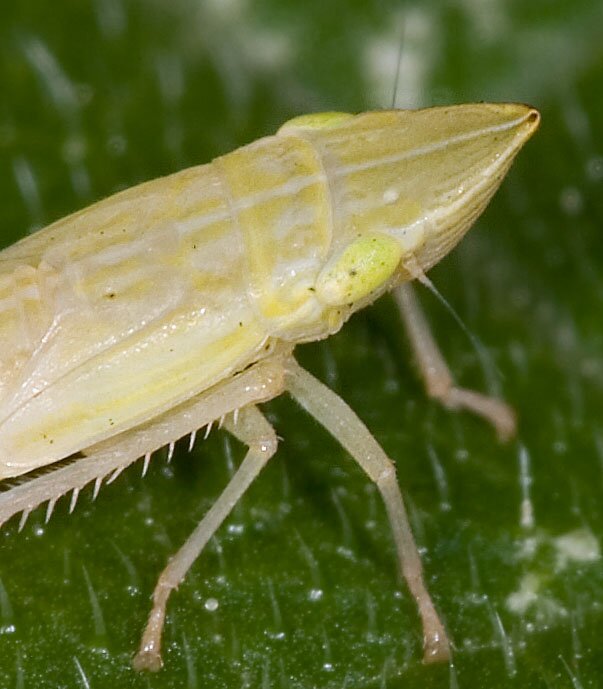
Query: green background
97	96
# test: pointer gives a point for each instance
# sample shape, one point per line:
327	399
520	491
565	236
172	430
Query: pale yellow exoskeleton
178	302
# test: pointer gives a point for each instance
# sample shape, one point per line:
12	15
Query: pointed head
406	185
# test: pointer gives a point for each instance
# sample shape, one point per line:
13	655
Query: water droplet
211	604
74	150
117	144
345	553
571	201
594	168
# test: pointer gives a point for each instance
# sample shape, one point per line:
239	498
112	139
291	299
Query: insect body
178	302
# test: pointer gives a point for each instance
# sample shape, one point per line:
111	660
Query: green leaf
299	588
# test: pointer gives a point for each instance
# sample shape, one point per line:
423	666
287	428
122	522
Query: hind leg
261	382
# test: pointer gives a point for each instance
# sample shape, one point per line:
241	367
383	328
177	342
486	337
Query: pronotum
178	302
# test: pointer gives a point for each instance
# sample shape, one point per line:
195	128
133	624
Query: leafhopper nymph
176	303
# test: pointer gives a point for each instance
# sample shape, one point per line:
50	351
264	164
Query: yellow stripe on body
128	387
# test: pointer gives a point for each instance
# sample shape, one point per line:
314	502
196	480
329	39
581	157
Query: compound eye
362	267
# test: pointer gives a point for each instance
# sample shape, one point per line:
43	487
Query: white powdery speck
576	546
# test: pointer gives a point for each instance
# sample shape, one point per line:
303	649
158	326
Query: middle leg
335	415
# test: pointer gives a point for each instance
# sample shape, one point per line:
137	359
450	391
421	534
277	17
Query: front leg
436	374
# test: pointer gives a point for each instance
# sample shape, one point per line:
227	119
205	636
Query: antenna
491	371
398	64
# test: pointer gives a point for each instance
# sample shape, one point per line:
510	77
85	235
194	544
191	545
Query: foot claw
436	648
147	660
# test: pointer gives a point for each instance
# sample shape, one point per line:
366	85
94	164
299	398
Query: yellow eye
364	265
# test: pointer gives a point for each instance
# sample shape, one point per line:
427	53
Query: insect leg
261	382
337	417
253	430
436	375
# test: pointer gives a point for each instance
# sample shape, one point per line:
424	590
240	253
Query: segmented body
127	308
178	302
